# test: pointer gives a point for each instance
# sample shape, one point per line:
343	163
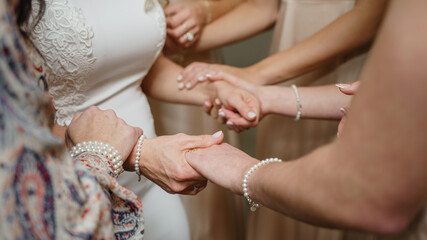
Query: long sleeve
44	193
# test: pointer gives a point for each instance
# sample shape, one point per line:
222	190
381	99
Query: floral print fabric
44	193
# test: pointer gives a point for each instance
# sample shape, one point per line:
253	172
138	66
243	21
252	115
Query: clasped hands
237	102
162	158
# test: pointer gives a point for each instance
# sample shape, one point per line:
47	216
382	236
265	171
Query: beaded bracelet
299	106
254	205
138	153
103	149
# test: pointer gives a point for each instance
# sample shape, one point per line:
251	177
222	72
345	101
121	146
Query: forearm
322	102
376	171
216	8
238	24
350	31
161	83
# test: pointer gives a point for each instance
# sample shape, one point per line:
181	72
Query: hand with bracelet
320	102
104	127
162	160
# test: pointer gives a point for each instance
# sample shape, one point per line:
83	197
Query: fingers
177	17
203	141
246	111
344	111
194	74
179	31
349	88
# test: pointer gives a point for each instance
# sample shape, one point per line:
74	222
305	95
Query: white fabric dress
99	52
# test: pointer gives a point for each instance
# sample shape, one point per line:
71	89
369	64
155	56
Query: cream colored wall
244	54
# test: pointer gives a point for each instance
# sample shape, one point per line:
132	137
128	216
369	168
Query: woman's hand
163	161
103	126
200	72
185	21
237	107
222	164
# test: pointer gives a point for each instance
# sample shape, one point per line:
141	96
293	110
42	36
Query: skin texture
316	50
192	16
104	126
376	170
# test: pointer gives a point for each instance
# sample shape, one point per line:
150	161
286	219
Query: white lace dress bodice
93	54
99	51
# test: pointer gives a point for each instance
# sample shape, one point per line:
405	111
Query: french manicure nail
251	115
343	111
208	75
217	134
221	113
179	78
207	104
188	85
180	85
342	85
217	102
201	79
230	123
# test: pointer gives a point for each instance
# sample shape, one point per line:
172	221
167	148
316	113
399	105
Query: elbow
384	222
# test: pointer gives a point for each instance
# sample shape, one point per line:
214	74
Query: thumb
238	102
204	141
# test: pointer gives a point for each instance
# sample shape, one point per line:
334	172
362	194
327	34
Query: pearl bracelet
253	204
138	153
103	149
299	106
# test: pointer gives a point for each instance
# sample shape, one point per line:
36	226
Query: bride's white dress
99	52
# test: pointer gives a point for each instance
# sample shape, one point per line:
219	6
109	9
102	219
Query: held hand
104	126
200	72
222	164
185	21
238	107
163	161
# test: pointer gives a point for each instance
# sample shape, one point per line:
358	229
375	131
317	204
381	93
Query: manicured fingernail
208	75
217	134
180	85
343	111
251	115
201	79
230	123
207	104
342	85
221	113
188	85
217	102
179	78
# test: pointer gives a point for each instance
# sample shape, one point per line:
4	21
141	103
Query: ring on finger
189	36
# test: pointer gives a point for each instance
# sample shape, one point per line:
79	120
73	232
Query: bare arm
350	31
376	171
247	19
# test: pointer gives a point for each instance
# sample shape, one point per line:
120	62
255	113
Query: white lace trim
65	41
161	20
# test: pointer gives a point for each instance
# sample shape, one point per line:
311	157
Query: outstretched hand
237	107
199	72
222	164
163	161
